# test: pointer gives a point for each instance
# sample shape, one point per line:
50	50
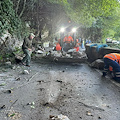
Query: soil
46	88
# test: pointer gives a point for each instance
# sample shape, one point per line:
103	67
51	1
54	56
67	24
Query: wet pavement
74	90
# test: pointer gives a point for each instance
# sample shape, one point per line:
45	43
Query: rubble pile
70	54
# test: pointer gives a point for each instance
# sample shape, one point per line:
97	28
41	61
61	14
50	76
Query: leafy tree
92	16
97	19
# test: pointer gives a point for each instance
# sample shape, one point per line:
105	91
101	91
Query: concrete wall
93	54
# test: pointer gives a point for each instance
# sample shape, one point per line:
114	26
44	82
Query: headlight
62	30
74	30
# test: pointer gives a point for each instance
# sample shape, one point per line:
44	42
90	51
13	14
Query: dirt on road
74	90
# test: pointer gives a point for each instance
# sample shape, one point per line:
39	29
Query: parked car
108	40
115	42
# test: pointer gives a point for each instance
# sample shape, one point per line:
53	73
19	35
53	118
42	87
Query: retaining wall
93	53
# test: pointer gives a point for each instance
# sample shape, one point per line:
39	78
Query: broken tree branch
17	6
13	103
32	76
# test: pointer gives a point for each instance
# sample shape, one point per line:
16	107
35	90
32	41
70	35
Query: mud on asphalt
74	90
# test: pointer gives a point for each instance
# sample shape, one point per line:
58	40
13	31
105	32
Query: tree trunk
23	8
17	6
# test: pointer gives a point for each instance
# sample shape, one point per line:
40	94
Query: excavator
67	47
67	39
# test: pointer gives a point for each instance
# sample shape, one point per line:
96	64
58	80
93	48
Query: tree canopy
97	19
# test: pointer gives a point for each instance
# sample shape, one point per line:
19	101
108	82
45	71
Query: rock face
9	42
8	45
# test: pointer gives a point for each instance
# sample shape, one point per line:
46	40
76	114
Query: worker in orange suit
77	46
113	60
58	47
68	39
68	42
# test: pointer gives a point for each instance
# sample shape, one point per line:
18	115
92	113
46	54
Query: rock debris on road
72	90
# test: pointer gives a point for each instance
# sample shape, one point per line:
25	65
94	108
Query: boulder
99	64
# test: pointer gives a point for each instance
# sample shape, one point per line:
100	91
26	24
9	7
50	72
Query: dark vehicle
68	39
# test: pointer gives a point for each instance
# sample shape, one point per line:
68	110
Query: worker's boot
104	74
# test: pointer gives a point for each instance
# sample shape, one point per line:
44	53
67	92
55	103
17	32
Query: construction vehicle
67	39
67	47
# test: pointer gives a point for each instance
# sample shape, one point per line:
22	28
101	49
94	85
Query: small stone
28	103
89	113
8	63
99	117
13	67
25	72
59	81
18	78
3	107
46	104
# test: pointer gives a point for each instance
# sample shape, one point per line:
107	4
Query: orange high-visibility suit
68	39
113	60
58	47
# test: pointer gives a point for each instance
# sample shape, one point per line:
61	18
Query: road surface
74	90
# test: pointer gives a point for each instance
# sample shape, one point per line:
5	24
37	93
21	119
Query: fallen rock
39	52
8	63
32	103
79	55
56	54
2	107
25	72
58	117
99	117
99	64
88	113
59	81
17	79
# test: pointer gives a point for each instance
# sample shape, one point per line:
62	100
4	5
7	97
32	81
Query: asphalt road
74	90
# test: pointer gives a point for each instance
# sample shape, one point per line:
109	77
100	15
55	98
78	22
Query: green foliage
8	20
101	7
18	51
110	25
85	11
115	46
97	18
5	56
1	57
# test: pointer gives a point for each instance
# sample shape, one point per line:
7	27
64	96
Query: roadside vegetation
96	20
